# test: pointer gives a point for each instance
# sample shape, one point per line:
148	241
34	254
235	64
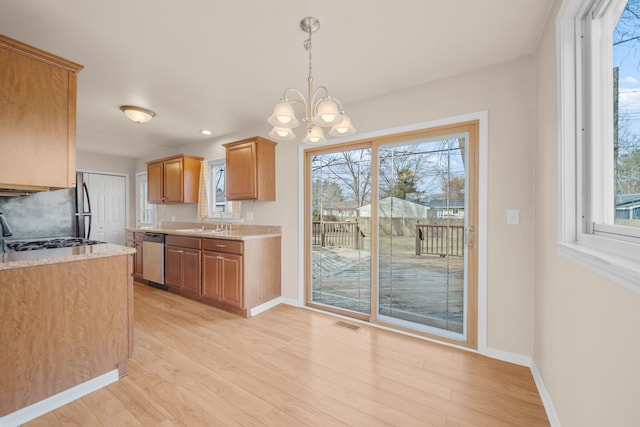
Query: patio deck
425	289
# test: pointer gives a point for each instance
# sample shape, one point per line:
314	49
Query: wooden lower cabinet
182	264
235	275
134	240
222	278
62	324
137	259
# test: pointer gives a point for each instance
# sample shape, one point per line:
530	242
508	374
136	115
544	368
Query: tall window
599	136
626	115
145	212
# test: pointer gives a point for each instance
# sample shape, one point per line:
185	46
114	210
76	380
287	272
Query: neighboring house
393	207
628	206
397	216
447	208
339	210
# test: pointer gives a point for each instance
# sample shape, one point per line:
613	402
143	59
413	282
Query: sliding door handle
469	236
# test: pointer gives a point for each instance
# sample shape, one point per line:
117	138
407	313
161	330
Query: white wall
506	91
586	327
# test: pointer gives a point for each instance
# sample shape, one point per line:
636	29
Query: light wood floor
194	365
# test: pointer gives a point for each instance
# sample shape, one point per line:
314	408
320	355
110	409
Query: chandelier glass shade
321	110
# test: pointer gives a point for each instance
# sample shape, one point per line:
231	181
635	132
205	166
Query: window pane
145	212
626	80
421	233
340	231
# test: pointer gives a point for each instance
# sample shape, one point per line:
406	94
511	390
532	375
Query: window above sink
219	207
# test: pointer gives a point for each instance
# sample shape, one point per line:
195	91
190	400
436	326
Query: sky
626	57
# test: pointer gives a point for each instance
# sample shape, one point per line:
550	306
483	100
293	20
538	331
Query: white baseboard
292	302
531	364
544	395
264	307
506	356
270	304
31	412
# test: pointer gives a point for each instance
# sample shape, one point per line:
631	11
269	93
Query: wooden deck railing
439	239
337	233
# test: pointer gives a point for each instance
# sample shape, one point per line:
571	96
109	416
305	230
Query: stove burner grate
32	245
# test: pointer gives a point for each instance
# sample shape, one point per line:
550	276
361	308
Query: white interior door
108	206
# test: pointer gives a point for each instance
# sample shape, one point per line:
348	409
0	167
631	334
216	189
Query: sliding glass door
390	229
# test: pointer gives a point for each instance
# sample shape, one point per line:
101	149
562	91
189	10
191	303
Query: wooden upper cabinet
155	192
174	179
251	169
37	118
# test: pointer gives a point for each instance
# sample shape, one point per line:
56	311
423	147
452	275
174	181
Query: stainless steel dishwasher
153	259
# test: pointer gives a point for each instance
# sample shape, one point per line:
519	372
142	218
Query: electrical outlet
249	216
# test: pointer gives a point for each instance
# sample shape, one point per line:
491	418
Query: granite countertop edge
228	235
10	260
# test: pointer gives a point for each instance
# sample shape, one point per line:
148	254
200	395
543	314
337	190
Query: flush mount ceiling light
137	114
321	110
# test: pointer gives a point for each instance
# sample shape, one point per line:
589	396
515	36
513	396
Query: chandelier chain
321	110
307	46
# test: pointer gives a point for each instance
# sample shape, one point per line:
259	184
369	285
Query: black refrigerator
82	214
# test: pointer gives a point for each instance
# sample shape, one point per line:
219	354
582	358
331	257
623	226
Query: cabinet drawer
183	241
223	245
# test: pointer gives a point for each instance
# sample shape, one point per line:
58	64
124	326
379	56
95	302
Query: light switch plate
513	216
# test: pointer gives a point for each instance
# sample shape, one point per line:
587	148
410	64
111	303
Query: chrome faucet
6	230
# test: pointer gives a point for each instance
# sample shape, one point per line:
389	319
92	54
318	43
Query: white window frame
142	203
232	209
585	119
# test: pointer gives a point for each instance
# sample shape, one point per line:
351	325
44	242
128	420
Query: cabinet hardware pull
221	246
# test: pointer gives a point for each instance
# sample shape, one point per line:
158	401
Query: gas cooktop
52	243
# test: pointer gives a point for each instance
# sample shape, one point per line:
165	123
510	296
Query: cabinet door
37	117
231	280
241	172
173	266
211	276
154	182
137	259
173	181
191	270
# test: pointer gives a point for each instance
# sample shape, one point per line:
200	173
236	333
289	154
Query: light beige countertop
210	230
9	260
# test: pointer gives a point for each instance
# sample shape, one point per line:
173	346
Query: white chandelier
321	110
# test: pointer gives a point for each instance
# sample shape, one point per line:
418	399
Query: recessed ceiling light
205	132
